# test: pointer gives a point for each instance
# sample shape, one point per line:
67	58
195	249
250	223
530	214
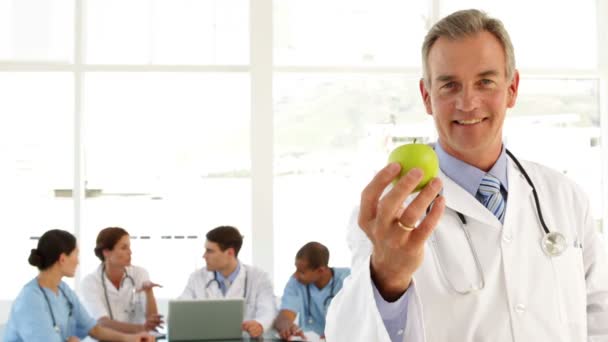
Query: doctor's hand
398	249
73	339
292	330
147	286
254	328
153	322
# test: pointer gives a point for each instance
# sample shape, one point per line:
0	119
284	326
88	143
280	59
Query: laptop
205	320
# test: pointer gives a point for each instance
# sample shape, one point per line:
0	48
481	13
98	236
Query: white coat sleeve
265	308
358	243
596	276
190	292
361	249
355	304
93	299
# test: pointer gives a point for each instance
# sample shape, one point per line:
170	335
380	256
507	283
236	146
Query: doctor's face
215	258
468	96
69	262
304	274
120	255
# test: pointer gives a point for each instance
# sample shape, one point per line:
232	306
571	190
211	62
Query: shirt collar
468	176
231	277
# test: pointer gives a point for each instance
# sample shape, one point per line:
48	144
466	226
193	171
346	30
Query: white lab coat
528	296
127	306
260	301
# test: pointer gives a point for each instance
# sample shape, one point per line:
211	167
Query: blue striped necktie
490	196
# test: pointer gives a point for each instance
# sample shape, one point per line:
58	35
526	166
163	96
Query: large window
35	154
171	117
167	158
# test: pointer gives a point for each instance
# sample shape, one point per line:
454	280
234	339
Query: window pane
567	38
36	30
557	123
36	154
362	32
167	155
168	31
332	132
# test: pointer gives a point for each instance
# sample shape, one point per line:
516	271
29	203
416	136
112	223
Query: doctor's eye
449	85
487	83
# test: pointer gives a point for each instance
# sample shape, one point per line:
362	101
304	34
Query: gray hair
466	23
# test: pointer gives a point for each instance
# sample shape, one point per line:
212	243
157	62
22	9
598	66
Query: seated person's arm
189	292
105	334
153	319
125	327
284	324
93	298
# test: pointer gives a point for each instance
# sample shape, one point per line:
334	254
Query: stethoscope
553	244
216	280
326	301
105	292
48	303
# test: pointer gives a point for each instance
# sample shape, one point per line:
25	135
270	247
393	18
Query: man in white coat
463	260
226	277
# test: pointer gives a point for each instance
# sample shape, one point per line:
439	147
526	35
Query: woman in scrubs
47	309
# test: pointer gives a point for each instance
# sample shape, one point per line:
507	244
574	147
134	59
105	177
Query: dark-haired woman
47	309
119	295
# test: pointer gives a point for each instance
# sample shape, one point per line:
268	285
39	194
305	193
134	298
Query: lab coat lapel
458	199
520	193
236	289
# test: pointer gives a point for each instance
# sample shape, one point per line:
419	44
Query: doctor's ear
62	258
106	253
426	95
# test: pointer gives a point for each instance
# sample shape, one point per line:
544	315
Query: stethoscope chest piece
554	244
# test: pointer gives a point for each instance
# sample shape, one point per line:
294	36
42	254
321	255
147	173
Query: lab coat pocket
570	284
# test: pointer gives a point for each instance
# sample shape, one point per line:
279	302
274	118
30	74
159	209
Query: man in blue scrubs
309	292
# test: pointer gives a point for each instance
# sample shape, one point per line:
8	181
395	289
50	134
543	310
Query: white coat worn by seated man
226	277
463	260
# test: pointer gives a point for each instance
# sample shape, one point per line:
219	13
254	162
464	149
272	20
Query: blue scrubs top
30	319
295	298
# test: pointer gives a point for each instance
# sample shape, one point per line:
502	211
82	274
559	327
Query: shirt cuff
391	310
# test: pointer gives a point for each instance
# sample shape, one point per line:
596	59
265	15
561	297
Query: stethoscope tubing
105	288
215	279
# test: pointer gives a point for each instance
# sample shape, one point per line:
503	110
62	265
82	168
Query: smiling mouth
469	122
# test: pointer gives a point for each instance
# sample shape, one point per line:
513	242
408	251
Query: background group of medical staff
116	300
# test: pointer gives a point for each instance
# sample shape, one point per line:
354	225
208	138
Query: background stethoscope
326	301
105	292
215	279
48	303
552	243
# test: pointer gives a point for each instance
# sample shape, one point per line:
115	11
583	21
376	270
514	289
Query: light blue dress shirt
295	298
231	277
394	314
30	319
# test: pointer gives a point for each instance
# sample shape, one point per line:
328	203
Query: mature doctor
118	294
226	277
493	259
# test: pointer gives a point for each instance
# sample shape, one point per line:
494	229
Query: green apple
414	155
